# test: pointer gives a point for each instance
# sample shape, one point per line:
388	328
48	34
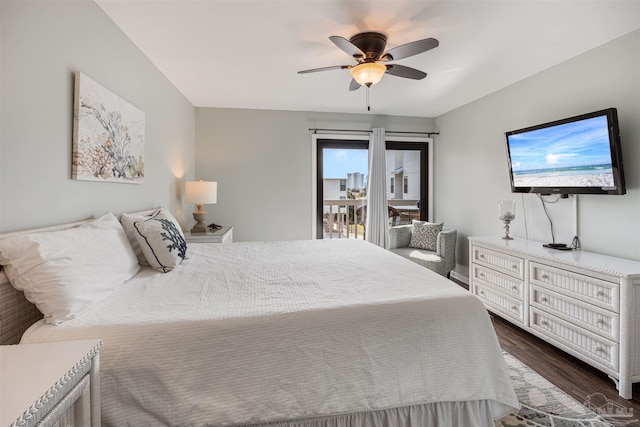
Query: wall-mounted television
576	155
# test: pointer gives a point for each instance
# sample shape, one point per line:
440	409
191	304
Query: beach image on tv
574	154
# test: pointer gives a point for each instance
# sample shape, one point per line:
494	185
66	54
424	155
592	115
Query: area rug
543	404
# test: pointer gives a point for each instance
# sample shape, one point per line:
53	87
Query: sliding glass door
341	188
407	181
341	185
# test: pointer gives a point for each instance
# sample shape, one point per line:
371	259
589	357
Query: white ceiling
246	53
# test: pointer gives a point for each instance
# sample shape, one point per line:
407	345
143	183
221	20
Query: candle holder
506	214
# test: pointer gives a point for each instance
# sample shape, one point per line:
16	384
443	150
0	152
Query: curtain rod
315	130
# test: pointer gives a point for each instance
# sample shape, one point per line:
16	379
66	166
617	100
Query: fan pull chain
368	103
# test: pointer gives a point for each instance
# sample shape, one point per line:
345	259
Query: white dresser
584	303
221	235
50	384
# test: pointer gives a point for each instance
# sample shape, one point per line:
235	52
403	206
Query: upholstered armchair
442	260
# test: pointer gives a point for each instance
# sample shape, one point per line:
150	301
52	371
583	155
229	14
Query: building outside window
343	185
355	182
406	184
393	186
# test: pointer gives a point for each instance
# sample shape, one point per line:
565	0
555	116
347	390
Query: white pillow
64	273
161	240
127	221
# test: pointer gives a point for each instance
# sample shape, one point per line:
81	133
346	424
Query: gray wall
262	162
471	171
262	159
42	44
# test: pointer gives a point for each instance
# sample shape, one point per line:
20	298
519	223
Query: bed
300	333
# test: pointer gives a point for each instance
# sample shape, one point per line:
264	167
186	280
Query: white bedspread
259	332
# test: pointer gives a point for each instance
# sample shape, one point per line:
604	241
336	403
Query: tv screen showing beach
575	154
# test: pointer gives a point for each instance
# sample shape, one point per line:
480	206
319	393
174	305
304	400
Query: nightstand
221	235
50	384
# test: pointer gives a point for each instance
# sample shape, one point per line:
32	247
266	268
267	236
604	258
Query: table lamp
201	193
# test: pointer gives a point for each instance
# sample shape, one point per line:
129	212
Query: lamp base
199	215
199	230
506	230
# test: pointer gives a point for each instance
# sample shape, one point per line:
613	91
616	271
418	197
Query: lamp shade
201	192
368	73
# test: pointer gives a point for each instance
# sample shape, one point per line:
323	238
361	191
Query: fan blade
347	46
354	85
409	49
406	72
333	67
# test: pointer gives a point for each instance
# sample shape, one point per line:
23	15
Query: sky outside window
337	162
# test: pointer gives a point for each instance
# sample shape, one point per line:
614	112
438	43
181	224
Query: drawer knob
544	323
514	266
600	293
514	288
544	299
481	256
481	292
481	274
544	277
599	349
600	322
514	308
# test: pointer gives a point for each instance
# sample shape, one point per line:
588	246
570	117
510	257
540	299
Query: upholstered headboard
16	313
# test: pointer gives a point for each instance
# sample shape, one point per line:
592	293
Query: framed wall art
108	135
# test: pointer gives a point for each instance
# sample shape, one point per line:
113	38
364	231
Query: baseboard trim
460	277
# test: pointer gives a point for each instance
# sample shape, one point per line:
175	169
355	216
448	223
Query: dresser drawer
507	284
501	303
584	288
513	266
602	322
594	347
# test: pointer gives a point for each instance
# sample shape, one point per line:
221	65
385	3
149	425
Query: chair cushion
424	235
427	259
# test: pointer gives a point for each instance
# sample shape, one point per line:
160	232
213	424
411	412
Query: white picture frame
108	135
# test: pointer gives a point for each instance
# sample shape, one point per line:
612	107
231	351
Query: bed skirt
442	414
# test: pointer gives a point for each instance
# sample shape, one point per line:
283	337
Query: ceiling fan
373	62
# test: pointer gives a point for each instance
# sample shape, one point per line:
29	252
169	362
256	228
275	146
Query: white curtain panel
377	223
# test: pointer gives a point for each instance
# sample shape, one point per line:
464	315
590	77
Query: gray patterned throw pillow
424	235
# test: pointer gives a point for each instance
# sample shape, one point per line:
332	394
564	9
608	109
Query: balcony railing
342	220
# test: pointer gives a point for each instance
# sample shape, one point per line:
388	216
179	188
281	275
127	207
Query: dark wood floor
571	375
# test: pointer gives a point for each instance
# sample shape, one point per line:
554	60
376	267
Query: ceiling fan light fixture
368	73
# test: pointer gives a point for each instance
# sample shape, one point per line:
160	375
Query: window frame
399	142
